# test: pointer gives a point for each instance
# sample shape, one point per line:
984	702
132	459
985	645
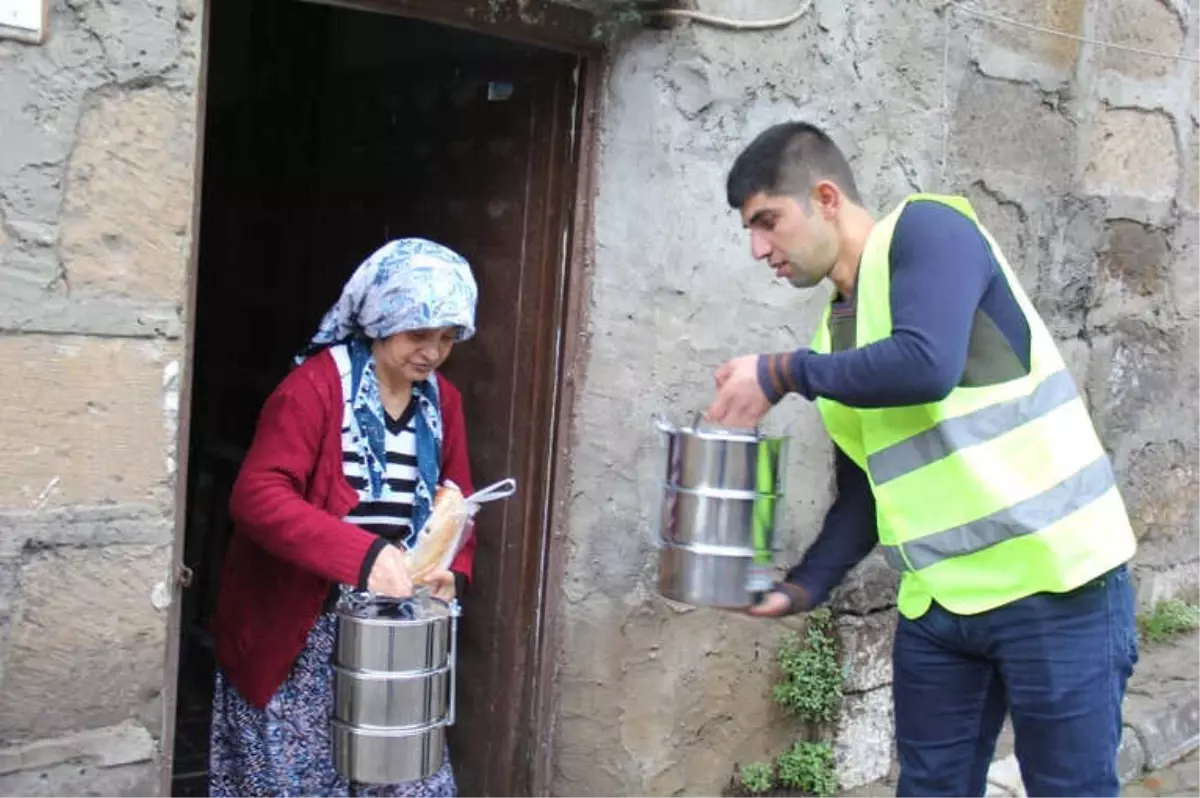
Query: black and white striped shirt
390	516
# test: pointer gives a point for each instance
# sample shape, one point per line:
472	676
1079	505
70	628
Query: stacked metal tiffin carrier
394	670
716	536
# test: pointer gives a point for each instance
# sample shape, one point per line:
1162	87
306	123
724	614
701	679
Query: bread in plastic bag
443	534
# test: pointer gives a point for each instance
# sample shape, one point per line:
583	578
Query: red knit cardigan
289	544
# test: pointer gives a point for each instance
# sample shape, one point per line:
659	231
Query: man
964	449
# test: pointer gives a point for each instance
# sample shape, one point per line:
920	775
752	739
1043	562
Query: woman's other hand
389	576
440	583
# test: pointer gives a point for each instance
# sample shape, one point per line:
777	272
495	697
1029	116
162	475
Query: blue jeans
1058	663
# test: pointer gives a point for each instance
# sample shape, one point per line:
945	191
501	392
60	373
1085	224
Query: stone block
1153	585
1005	221
863	743
83	526
1153	213
1076	355
869	587
1138	388
29	274
1136	256
1068	231
88	425
1188	775
1131	759
865	645
81	779
1159	481
1184	276
1190	195
124	744
875	789
1133	275
141	38
1130	151
1030	125
128	204
1145	24
87	644
100	316
1063	15
1167	729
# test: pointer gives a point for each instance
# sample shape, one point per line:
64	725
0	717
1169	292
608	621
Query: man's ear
827	199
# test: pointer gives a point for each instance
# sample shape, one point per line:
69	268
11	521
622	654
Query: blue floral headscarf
407	284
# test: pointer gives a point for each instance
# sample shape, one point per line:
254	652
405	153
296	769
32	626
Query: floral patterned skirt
285	749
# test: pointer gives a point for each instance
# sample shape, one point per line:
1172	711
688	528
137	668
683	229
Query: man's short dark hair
788	160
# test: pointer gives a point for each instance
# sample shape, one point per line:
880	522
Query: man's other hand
773	605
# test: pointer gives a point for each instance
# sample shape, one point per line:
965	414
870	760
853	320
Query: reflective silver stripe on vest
1024	518
976	427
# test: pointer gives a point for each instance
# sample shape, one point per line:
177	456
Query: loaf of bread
438	540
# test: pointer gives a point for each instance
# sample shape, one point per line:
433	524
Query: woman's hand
389	576
440	583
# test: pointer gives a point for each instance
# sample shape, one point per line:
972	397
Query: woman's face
413	355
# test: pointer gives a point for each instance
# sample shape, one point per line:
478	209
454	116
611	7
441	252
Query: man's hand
740	403
773	605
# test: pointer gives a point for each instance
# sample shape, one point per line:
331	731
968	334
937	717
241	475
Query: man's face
801	248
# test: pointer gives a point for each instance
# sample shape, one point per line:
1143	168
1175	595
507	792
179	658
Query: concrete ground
1180	779
1173	781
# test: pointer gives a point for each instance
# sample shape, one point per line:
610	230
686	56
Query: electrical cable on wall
954	5
735	24
950	7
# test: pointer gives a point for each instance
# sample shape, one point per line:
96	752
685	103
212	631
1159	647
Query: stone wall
1083	162
96	197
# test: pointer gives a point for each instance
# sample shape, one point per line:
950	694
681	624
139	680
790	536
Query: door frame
540	23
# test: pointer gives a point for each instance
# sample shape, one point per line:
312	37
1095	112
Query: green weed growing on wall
1169	619
808	767
809	688
757	777
811	683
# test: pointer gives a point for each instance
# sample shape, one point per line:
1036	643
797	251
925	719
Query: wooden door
314	162
474	154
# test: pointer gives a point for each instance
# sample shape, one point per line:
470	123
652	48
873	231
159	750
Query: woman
346	456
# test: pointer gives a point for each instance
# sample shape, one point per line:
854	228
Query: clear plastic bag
444	532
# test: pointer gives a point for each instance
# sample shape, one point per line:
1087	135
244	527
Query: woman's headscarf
407	284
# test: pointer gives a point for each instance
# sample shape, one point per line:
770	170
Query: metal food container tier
387	756
720	496
395	666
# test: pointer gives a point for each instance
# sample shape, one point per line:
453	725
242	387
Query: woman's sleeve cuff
364	571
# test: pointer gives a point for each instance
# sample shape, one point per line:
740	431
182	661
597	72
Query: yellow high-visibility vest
994	493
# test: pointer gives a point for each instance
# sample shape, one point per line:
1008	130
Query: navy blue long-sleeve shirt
942	274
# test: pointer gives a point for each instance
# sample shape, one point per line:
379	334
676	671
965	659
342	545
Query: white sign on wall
24	20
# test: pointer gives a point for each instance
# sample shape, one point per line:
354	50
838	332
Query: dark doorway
329	131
